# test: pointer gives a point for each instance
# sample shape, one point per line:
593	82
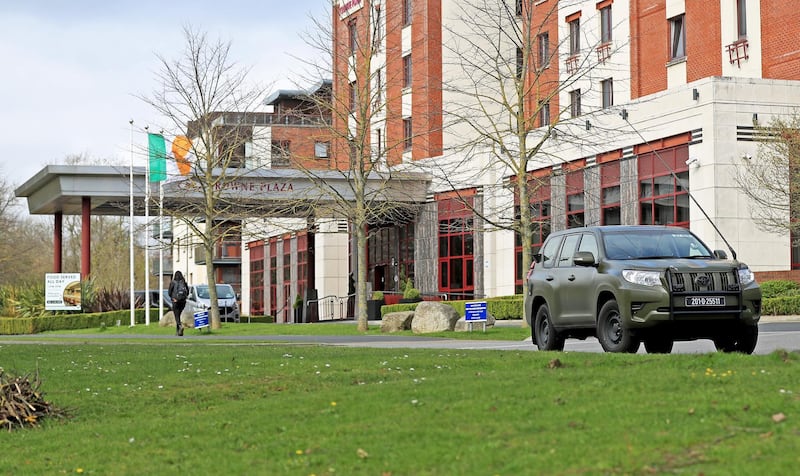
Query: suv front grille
725	281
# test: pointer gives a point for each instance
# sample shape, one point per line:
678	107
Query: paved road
772	336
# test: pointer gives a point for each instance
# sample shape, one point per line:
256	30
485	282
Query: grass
183	407
513	332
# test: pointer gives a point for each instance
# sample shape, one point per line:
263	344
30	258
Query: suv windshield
654	244
224	291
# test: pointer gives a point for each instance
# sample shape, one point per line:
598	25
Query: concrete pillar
58	226
86	237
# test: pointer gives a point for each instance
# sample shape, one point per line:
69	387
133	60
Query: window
407	71
575	103
520	62
677	28
456	247
544	113
518	8
280	153
407	12
575	36
353	99
321	150
539	203
605	24
377	28
575	203
607	87
568	250
741	18
610	211
352	34
663	196
407	131
543	50
378	96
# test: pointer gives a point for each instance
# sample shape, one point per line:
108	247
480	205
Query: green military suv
632	284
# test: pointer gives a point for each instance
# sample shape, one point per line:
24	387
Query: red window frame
658	187
541	206
256	278
574	190
456	249
609	180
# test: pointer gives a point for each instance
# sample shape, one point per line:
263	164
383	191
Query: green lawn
187	407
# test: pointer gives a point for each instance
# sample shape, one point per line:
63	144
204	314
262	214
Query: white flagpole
147	239
130	227
161	249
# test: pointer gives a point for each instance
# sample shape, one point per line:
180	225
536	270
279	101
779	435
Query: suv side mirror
720	254
583	258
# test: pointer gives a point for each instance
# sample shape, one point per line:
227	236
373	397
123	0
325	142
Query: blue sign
475	311
201	319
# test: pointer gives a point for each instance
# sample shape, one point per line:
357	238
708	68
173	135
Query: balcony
225	252
572	64
603	52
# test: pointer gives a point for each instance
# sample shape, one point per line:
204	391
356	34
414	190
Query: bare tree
204	95
503	102
364	153
771	179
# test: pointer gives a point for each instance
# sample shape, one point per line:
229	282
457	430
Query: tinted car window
568	250
549	252
589	243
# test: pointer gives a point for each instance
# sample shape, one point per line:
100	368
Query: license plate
700	301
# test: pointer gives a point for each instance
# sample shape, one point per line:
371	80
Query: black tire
544	334
658	345
743	341
611	332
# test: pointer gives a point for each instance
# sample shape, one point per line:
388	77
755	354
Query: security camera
691	160
747	157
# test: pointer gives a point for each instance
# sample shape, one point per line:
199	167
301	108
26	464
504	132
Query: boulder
397	321
168	319
463	326
432	316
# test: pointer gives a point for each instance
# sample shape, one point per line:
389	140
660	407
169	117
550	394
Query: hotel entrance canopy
106	190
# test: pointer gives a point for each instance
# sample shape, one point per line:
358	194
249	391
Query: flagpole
160	249
147	242
130	227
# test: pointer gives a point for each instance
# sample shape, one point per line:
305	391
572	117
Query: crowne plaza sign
348	7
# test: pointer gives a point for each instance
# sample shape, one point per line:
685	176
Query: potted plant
411	294
374	306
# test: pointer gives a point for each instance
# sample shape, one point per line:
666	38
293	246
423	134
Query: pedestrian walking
178	292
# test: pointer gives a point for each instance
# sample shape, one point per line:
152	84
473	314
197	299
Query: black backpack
181	291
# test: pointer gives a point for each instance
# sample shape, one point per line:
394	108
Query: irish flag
158	157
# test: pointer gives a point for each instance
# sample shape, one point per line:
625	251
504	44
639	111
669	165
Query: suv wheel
544	334
611	332
743	341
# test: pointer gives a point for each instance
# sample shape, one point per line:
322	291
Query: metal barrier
331	308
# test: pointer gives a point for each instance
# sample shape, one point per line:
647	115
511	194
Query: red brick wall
780	39
426	84
301	147
792	275
703	40
649	47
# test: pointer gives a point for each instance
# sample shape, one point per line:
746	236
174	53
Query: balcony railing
738	51
225	252
271	119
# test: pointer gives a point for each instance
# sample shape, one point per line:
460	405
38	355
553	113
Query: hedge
501	307
60	322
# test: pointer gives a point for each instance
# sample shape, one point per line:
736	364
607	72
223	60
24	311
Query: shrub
411	293
779	287
377	296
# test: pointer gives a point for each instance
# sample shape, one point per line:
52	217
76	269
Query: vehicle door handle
571	277
549	277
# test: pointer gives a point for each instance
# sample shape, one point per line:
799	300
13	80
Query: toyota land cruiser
632	284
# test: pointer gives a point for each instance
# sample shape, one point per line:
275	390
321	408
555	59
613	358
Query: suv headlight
745	275
645	278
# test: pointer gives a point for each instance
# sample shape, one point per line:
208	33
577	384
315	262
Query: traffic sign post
475	312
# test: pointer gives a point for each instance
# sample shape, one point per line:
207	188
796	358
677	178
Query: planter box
374	309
